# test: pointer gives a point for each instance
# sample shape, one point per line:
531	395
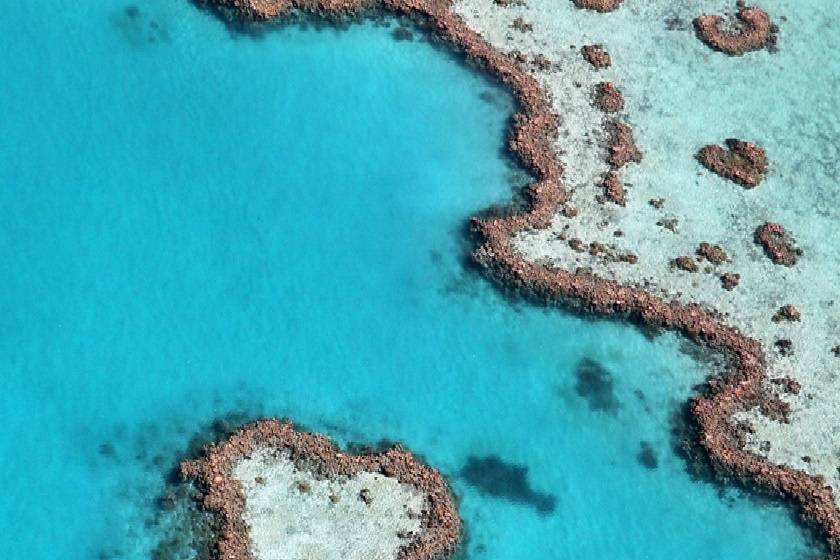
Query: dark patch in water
647	456
492	476
595	384
138	29
643	400
107	449
650	332
131	11
402	33
675	23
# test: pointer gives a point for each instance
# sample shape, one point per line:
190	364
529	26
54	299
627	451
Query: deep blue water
194	223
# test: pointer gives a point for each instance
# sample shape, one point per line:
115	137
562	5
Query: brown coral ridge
778	244
532	134
742	162
752	30
597	56
598	5
222	495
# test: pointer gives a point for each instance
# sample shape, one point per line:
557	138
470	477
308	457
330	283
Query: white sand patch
292	515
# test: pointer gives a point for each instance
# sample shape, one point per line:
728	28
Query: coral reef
712	253
787	312
598	5
730	280
222	495
532	135
622	148
597	56
608	97
778	244
613	190
742	162
752	30
685	263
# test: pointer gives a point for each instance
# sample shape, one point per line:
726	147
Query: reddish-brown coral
778	244
598	5
742	162
222	494
712	253
787	312
685	263
608	97
597	56
752	30
729	280
622	148
613	189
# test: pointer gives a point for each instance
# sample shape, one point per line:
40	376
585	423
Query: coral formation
787	312
712	253
222	495
778	244
742	162
752	30
622	148
532	135
598	5
608	97
597	56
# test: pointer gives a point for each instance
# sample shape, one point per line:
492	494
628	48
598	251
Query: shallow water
194	223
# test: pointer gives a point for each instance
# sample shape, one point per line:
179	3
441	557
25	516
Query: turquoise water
194	224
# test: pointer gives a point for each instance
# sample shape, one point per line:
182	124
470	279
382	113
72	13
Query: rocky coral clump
729	280
712	253
613	190
778	244
608	98
597	56
598	5
743	162
685	263
787	312
622	147
750	30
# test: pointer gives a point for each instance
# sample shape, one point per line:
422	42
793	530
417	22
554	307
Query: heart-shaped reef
278	493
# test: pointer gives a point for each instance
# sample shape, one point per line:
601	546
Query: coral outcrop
742	162
751	30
